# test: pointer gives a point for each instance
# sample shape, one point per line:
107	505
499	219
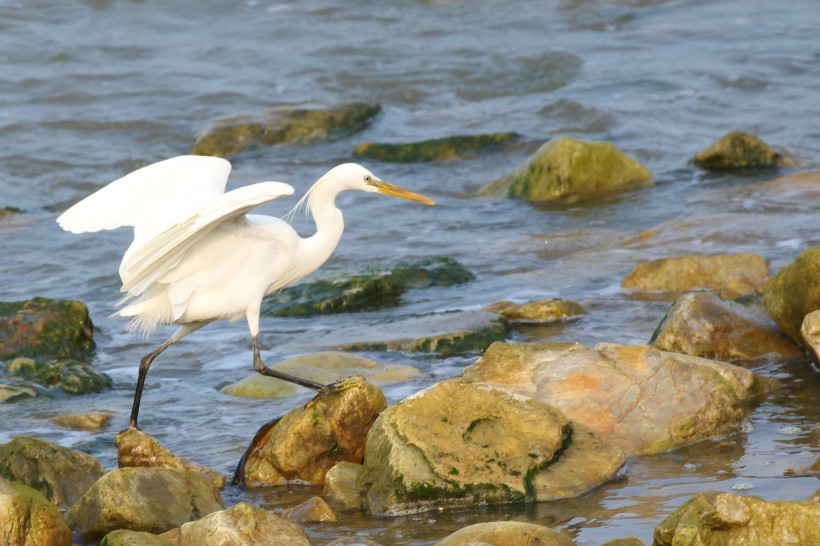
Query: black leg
145	363
260	367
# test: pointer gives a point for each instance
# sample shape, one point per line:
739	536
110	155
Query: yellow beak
389	189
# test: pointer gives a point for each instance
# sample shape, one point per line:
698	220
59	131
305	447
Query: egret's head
355	177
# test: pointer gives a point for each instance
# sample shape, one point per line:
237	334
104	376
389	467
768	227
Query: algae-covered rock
143	499
438	149
9	211
730	520
325	368
137	449
18	390
63	475
309	440
70	376
457	445
313	510
507	533
541	311
739	150
643	399
794	292
702	324
717	273
566	168
376	290
240	525
45	329
124	537
27	518
93	420
229	136
341	488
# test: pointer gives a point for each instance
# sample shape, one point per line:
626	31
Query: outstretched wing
146	263
152	198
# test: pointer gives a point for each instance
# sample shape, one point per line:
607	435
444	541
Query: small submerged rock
69	376
341	487
231	135
542	311
438	149
45	329
794	292
702	324
739	150
732	520
732	275
567	168
27	518
313	510
124	537
506	533
306	442
94	420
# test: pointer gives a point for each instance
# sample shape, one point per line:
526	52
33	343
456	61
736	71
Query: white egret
198	256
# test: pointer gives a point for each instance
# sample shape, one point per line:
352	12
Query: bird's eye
368	179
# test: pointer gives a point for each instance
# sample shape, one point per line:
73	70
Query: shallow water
90	90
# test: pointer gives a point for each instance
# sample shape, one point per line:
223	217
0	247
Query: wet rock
341	487
70	376
313	510
94	420
231	135
137	449
45	329
448	334
9	211
739	150
143	499
438	149
325	368
352	541
507	533
566	168
541	311
731	274
702	324
124	537
644	400
629	541
27	518
17	390
375	290
308	441
61	474
731	520
810	332
794	292
457	445
241	525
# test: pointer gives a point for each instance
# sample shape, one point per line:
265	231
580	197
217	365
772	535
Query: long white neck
321	200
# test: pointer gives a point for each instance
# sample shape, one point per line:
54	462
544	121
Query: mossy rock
739	150
70	376
438	149
45	328
794	292
28	518
571	169
17	390
9	211
231	135
376	290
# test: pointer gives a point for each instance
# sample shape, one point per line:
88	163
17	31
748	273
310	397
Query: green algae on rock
438	149
567	168
231	135
542	311
44	328
794	292
27	518
739	150
70	376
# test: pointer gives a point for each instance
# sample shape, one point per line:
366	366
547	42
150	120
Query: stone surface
27	518
457	445
341	487
629	541
810	332
94	420
541	311
724	519
794	292
739	273
702	324
69	376
438	149
325	368
143	499
45	329
231	135
18	390
241	525
309	440
123	537
313	510
352	541
739	150
566	168
642	399
61	474
507	533
137	449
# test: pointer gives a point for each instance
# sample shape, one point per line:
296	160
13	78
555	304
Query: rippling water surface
91	90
